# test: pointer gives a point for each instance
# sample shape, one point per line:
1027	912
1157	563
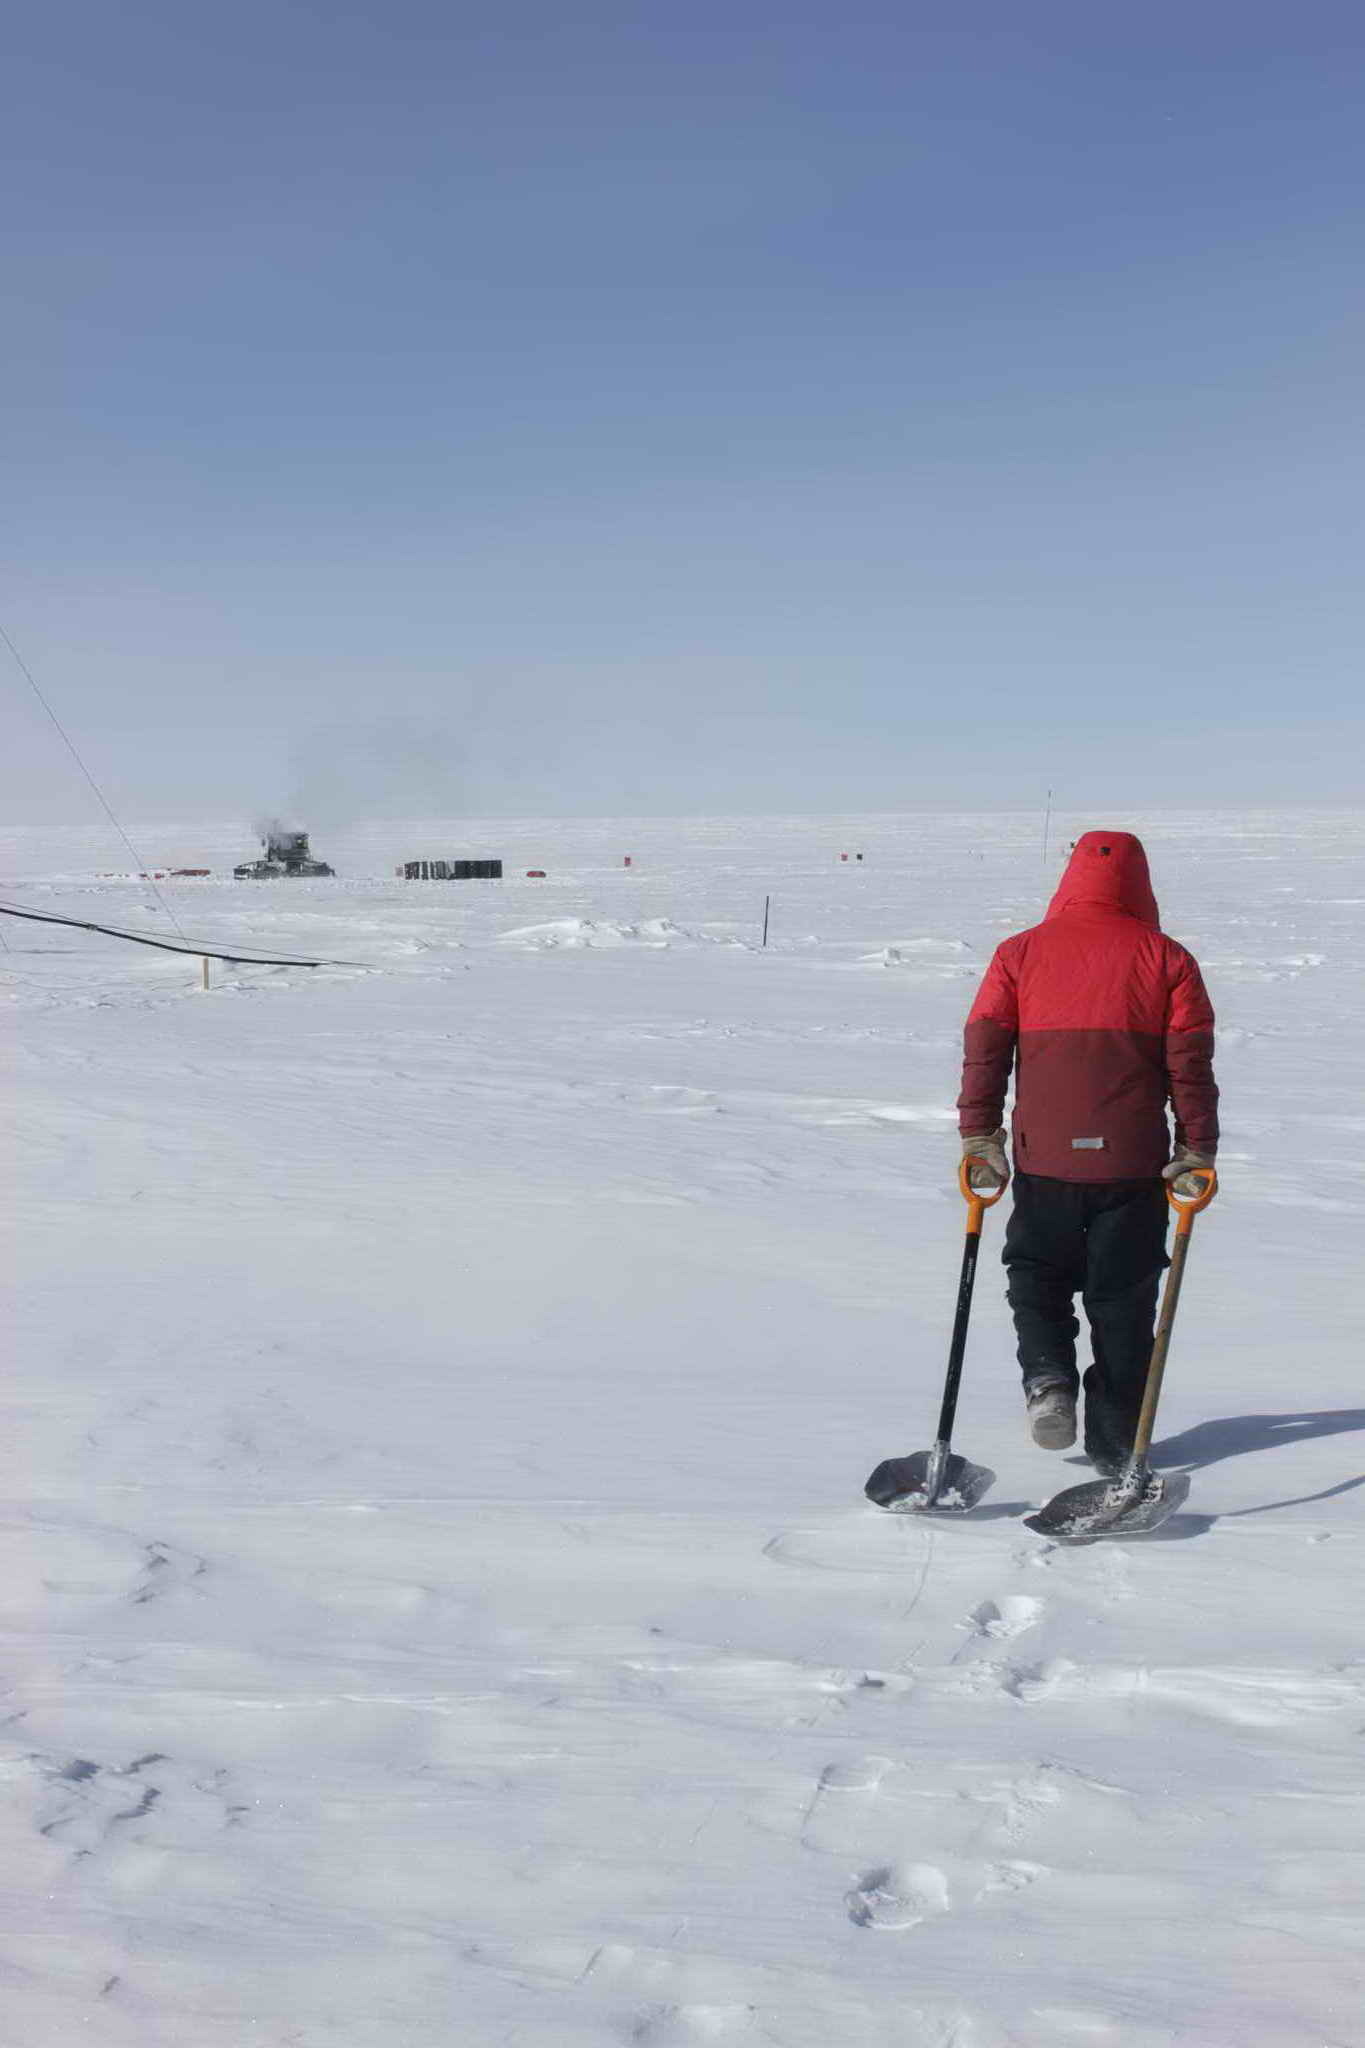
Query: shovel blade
1126	1506
903	1485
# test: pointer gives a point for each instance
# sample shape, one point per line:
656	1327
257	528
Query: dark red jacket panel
1104	1020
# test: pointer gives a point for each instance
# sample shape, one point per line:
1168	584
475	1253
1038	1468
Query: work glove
1180	1172
990	1168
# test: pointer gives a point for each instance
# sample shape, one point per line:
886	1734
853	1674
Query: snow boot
1051	1414
1106	1457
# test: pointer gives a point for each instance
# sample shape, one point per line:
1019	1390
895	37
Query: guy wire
105	805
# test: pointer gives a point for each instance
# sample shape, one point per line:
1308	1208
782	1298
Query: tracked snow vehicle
286	853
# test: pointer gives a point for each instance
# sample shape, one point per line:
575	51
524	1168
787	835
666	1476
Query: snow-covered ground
439	1607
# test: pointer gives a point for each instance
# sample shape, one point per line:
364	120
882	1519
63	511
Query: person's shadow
1233	1436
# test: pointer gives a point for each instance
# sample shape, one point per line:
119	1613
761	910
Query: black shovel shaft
957	1350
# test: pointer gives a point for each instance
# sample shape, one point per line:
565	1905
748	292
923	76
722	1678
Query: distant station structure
286	854
451	871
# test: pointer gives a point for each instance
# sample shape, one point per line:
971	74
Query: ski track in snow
439	1603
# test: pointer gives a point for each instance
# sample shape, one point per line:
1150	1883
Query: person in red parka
1104	1020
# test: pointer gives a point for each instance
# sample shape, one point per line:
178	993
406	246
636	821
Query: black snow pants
1105	1240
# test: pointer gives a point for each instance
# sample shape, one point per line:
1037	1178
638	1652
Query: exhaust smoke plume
268	823
345	775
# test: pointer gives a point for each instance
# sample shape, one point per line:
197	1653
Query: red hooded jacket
1104	1019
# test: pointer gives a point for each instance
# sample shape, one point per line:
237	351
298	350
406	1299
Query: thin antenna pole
767	901
1047	823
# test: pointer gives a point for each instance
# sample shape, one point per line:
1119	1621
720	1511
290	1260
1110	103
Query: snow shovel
938	1481
1137	1498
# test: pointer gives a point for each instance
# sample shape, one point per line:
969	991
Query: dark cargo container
452	870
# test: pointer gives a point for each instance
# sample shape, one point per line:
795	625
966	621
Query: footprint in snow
1014	1875
861	1774
679	1101
685	2026
1241	1697
88	1806
898	1895
1009	1616
165	1571
1014	1807
838	1806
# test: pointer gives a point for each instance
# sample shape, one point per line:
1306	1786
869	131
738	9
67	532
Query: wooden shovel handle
1187	1207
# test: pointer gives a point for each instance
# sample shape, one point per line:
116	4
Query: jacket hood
1107	871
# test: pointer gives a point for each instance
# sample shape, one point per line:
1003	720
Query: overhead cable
114	931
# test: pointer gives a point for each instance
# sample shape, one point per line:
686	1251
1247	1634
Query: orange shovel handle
978	1200
1187	1207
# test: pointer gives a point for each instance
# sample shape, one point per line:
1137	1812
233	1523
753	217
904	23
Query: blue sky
684	409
